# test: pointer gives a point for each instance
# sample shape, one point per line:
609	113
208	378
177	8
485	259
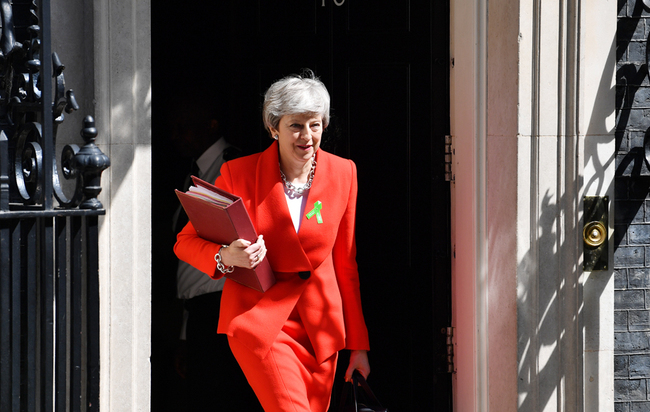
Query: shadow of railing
632	168
560	308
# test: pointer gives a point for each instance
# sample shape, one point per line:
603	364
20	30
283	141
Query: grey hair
296	94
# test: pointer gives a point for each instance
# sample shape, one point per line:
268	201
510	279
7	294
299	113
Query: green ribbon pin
316	211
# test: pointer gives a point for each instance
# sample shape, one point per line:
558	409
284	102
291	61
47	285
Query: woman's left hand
358	361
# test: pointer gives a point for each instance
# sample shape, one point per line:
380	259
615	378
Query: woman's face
299	136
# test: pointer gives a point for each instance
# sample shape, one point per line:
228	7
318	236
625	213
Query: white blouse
296	206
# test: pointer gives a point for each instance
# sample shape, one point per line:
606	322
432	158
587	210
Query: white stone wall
106	49
122	92
532	121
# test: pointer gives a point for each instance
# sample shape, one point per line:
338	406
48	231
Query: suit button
304	275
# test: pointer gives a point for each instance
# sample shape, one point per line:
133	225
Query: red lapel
289	251
273	220
317	239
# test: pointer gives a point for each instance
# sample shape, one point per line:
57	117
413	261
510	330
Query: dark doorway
386	67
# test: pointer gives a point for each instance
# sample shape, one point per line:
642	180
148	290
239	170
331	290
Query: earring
275	137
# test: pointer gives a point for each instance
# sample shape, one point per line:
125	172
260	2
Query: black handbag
360	398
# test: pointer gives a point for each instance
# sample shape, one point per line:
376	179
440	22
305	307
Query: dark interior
386	67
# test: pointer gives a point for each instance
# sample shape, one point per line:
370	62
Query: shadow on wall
632	102
632	187
542	336
632	234
632	131
558	306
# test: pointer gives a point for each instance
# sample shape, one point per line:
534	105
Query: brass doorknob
594	234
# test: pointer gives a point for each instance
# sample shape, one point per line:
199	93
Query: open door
386	67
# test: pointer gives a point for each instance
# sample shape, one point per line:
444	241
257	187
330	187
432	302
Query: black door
386	67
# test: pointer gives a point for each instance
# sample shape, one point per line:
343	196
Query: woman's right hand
243	253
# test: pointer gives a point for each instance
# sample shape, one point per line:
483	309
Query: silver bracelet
220	266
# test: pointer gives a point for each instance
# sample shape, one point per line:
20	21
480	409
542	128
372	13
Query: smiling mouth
305	147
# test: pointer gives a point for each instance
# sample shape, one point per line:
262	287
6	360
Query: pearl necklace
298	191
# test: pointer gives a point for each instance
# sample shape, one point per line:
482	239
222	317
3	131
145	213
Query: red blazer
328	301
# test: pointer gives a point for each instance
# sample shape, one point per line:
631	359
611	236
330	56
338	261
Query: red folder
223	225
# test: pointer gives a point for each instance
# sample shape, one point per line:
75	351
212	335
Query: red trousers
289	378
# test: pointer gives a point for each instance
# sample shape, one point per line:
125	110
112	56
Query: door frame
522	129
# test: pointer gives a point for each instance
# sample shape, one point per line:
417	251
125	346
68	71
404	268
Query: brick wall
632	219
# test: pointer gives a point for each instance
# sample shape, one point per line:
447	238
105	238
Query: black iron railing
49	291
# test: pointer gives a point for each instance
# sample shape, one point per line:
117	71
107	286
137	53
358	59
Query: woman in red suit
302	201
